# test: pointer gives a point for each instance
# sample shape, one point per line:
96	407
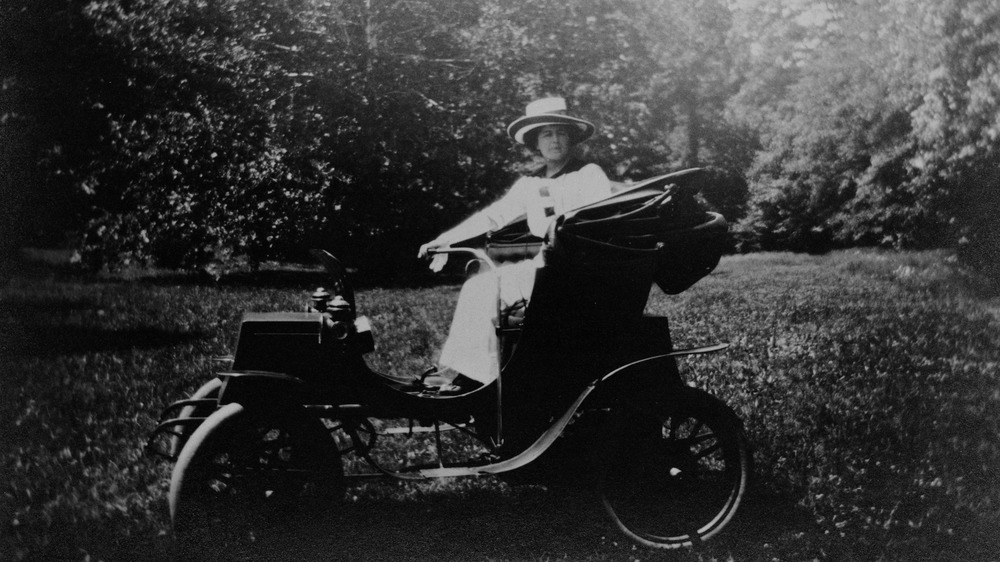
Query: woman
469	356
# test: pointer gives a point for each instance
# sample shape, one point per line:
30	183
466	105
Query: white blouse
541	199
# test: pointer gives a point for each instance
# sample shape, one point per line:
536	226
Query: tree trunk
691	159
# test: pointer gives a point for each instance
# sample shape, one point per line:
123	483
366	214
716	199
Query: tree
694	76
277	125
193	165
51	67
182	132
585	50
654	75
848	119
957	125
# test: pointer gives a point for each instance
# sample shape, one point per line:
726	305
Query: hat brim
524	125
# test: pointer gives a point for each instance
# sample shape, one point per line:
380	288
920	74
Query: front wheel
208	391
243	470
673	470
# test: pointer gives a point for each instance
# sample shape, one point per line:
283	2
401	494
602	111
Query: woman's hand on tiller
439	260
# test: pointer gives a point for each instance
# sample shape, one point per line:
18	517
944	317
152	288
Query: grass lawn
868	381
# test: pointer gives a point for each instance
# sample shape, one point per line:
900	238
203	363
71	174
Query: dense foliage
867	382
187	132
879	124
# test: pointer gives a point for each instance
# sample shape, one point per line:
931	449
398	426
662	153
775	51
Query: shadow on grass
770	526
298	279
520	523
292	278
33	340
523	525
281	276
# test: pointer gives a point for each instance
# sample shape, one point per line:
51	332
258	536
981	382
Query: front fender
645	375
260	388
663	359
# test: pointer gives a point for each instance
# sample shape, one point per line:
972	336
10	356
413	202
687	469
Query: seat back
587	303
578	320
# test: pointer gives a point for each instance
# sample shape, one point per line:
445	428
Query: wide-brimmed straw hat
548	111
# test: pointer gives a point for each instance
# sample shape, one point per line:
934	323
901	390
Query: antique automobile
585	383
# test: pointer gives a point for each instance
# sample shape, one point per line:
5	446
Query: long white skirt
471	347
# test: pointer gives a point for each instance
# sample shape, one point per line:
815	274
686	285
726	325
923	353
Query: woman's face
555	142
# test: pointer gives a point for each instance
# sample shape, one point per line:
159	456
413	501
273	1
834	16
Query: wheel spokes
680	482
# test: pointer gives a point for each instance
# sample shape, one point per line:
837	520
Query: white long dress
471	347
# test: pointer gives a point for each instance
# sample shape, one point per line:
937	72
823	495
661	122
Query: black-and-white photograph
500	280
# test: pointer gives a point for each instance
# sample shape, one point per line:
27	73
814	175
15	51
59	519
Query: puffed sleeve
514	204
496	215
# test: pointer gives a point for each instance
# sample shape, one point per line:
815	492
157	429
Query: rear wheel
241	472
673	470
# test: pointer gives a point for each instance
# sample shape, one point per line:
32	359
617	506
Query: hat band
523	125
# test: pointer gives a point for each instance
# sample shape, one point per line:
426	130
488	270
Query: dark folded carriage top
659	220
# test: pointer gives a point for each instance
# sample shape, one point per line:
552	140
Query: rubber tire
206	508
208	390
662	488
